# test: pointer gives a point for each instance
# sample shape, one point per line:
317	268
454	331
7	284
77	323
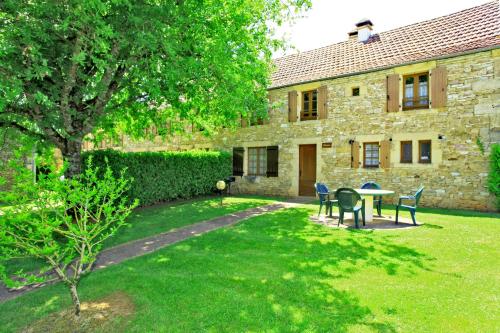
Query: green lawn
149	221
281	273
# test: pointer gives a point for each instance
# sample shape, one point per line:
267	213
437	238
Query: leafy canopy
69	67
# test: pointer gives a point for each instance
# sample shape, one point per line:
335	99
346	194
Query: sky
329	21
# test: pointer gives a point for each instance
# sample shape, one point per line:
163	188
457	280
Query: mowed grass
145	222
280	272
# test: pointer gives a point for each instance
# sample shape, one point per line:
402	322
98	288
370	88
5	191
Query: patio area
385	222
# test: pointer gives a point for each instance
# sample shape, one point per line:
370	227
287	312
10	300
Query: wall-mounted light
441	137
390	139
351	141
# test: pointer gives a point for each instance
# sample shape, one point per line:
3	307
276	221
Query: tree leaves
78	66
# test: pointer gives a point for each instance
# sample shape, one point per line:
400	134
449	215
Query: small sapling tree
62	224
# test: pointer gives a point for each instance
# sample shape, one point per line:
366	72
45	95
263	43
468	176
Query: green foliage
480	145
72	68
163	176
17	148
494	176
62	223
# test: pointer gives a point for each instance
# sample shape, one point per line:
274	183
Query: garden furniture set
363	200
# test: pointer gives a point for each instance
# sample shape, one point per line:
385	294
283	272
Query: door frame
293	174
315	164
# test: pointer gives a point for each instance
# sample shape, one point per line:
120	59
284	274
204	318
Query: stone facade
457	175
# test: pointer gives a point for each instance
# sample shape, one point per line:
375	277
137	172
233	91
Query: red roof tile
468	30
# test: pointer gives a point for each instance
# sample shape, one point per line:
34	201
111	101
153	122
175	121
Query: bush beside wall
494	176
165	176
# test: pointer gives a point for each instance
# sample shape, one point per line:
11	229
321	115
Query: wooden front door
307	169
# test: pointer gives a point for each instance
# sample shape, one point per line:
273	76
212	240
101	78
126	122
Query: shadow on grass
431	226
317	257
450	212
276	272
148	221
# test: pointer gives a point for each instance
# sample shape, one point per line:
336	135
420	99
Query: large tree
69	67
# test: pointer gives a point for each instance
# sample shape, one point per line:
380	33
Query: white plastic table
368	195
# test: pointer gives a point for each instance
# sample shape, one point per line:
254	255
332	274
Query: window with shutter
371	156
416	91
272	161
309	105
257	161
406	152
424	151
238	161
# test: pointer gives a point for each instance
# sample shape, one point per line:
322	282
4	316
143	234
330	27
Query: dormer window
309	105
416	91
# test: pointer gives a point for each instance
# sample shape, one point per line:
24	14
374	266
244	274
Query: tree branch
20	128
70	84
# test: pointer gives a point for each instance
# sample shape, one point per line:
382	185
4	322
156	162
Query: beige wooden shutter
322	102
393	93
385	154
292	106
355	155
439	83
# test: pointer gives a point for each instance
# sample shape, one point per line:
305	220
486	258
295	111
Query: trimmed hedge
164	176
494	176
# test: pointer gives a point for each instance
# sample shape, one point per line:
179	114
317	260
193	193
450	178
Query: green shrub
61	223
164	176
494	176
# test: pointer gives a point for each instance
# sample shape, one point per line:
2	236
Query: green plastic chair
349	202
413	209
324	198
377	201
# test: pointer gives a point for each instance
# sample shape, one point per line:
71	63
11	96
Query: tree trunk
72	154
75	298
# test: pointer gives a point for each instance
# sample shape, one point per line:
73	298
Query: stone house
417	105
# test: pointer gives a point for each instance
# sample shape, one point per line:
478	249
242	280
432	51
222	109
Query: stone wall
457	176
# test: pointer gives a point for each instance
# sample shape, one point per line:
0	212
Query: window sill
253	125
423	107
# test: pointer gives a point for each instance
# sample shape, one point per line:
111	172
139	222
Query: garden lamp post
221	185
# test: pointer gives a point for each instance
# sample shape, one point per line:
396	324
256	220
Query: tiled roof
470	29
